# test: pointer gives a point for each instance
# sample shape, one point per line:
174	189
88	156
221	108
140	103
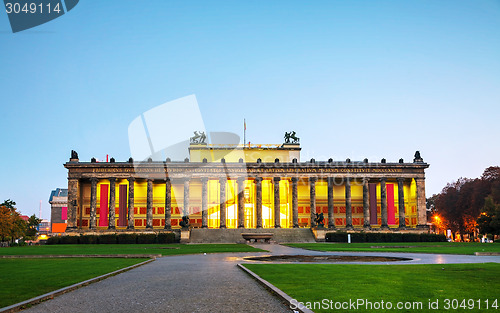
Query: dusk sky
354	79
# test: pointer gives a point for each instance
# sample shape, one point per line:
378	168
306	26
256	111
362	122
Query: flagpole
244	132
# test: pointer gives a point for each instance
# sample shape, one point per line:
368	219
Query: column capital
313	179
204	180
94	179
401	179
294	179
112	179
419	178
149	179
258	179
223	179
131	179
383	179
276	179
366	179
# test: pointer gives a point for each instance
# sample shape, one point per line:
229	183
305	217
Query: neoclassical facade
259	186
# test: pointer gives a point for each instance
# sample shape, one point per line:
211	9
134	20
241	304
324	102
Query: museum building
245	187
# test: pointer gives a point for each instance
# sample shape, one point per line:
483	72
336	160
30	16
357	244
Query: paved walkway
202	283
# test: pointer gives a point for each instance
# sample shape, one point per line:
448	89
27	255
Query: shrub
87	239
166	238
54	240
68	240
107	239
411	237
358	237
336	237
146	238
126	238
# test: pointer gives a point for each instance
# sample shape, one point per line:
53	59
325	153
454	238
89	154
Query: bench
255	237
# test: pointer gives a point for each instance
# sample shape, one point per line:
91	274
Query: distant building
58	210
44	227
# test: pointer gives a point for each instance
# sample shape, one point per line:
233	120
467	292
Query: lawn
23	279
409	285
163	249
414	247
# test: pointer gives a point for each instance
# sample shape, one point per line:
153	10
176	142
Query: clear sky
375	79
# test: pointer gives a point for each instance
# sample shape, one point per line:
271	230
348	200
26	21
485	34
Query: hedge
113	239
384	237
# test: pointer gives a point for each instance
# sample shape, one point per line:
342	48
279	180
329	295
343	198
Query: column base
277	226
295	226
222	227
384	227
401	228
367	227
241	226
332	227
167	227
259	226
130	227
349	227
111	227
204	226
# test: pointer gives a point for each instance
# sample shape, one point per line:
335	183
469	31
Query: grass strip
477	284
23	279
467	248
163	249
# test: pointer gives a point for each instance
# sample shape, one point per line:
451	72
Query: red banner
391	218
103	205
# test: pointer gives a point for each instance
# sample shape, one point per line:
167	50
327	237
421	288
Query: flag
245	124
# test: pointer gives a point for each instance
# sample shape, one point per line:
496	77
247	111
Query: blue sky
375	79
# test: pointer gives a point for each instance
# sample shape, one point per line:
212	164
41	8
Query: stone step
280	235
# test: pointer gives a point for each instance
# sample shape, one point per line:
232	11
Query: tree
12	225
489	220
33	223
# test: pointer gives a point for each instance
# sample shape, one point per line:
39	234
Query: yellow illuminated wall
213	200
198	153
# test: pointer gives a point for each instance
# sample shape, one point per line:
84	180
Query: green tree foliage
33	223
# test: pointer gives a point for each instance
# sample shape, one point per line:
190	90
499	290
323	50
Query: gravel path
203	283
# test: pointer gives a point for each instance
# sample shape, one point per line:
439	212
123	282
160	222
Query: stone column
93	202
131	182
295	203
168	204
312	199
222	211
112	203
277	221
204	202
241	202
186	210
258	196
366	204
383	204
73	192
421	204
331	216
401	203
149	205
348	204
